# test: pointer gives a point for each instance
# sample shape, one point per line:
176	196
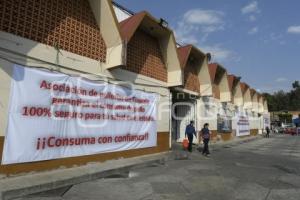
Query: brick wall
191	80
144	56
68	23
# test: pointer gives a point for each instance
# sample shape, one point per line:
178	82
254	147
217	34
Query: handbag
185	143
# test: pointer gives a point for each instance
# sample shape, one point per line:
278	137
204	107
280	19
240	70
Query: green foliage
285	117
296	85
284	101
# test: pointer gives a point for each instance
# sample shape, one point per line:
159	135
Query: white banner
243	125
53	115
267	120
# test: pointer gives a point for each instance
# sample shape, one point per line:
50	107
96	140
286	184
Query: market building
266	109
250	107
206	106
266	115
255	123
247	97
186	98
237	100
220	105
131	58
260	104
67	39
261	113
86	38
213	98
152	63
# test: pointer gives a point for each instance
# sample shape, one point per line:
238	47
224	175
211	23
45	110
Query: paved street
264	169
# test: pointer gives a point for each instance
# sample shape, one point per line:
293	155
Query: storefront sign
53	115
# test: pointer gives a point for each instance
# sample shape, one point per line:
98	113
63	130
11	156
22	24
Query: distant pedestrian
272	129
205	132
297	125
268	132
189	133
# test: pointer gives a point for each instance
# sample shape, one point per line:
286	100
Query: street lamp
163	23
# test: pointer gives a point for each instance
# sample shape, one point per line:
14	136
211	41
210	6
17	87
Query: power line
130	12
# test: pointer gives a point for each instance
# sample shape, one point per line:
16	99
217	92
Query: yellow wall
162	146
5	74
204	79
225	92
238	96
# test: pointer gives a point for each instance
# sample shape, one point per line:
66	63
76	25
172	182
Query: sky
256	40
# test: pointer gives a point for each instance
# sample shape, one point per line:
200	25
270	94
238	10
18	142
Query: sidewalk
19	186
236	141
179	153
44	181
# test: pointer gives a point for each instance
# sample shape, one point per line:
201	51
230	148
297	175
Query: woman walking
205	136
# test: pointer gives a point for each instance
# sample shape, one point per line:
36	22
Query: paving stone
287	194
168	188
256	170
293	180
116	189
250	191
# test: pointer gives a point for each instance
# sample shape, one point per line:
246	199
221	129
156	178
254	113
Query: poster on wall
53	115
267	120
224	124
243	126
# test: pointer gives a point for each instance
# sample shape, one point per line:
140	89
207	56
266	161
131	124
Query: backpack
205	136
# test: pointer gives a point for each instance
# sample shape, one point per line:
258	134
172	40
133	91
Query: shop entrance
183	111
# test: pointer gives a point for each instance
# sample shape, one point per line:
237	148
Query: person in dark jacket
189	133
268	132
205	132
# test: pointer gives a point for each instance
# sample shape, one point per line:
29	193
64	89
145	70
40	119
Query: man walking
268	132
206	136
189	133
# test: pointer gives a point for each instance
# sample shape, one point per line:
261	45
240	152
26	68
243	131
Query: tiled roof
183	54
244	87
252	92
130	25
185	51
259	96
212	68
232	81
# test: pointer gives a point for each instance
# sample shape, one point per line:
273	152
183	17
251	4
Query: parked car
290	129
278	130
277	127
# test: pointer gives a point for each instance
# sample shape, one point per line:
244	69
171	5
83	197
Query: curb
15	187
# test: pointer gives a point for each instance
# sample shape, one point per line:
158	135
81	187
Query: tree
295	97
284	101
285	117
296	85
270	100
